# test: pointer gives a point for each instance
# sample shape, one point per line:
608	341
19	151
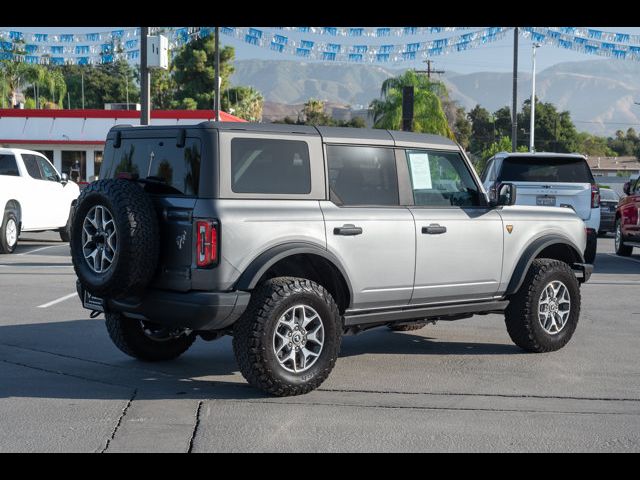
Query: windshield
608	194
545	169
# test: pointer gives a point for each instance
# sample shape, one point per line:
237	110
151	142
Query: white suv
33	197
550	180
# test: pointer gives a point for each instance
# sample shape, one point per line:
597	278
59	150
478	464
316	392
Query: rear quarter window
9	166
545	169
261	165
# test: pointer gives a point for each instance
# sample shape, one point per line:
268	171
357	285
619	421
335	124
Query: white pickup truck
33	196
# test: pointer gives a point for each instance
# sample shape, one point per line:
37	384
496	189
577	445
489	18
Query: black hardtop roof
334	134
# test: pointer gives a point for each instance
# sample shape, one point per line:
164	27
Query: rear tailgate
576	195
175	218
551	180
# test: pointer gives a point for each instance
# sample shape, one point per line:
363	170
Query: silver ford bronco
288	237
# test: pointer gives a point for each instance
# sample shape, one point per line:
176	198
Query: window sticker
420	171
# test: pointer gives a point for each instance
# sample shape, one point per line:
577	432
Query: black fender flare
270	257
531	252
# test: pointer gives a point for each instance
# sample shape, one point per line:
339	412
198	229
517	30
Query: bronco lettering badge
180	239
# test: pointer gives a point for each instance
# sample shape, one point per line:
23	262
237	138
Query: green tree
16	78
593	145
462	128
429	116
243	102
503	122
104	83
482	129
554	132
163	89
502	145
194	71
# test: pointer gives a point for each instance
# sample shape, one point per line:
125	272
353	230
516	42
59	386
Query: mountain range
599	94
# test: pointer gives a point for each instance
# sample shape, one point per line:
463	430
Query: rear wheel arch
303	261
553	247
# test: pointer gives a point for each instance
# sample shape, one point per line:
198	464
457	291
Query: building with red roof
75	138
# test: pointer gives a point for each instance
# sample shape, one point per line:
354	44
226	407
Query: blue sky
496	56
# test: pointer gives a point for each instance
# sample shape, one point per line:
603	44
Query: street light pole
217	65
514	108
533	100
145	83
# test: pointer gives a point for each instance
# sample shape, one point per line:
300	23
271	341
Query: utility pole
216	104
82	83
429	70
533	99
407	108
145	79
514	109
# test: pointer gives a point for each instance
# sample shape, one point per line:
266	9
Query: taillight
595	196
206	243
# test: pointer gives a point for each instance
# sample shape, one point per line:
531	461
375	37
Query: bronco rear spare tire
114	238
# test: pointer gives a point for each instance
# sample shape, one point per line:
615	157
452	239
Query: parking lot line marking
622	258
62	299
37	250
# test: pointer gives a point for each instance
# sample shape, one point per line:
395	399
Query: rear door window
9	166
360	175
31	164
175	169
545	169
260	165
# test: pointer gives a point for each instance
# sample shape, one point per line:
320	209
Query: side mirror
627	188
64	178
503	194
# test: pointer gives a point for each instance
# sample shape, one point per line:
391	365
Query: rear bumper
583	271
195	310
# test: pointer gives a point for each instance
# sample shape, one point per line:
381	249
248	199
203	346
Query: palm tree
429	116
15	76
247	104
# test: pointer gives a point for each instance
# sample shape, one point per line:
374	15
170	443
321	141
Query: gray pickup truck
288	237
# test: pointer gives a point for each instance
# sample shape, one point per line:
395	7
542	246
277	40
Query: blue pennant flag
356	32
40	37
278	47
303	52
16	35
57	60
31	48
280	39
83	60
382	57
331	56
82	49
57	49
383	32
92	37
355	57
306	44
66	37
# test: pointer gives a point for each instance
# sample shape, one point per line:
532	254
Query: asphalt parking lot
458	386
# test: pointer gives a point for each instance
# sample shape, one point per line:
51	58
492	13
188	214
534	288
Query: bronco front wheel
543	314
